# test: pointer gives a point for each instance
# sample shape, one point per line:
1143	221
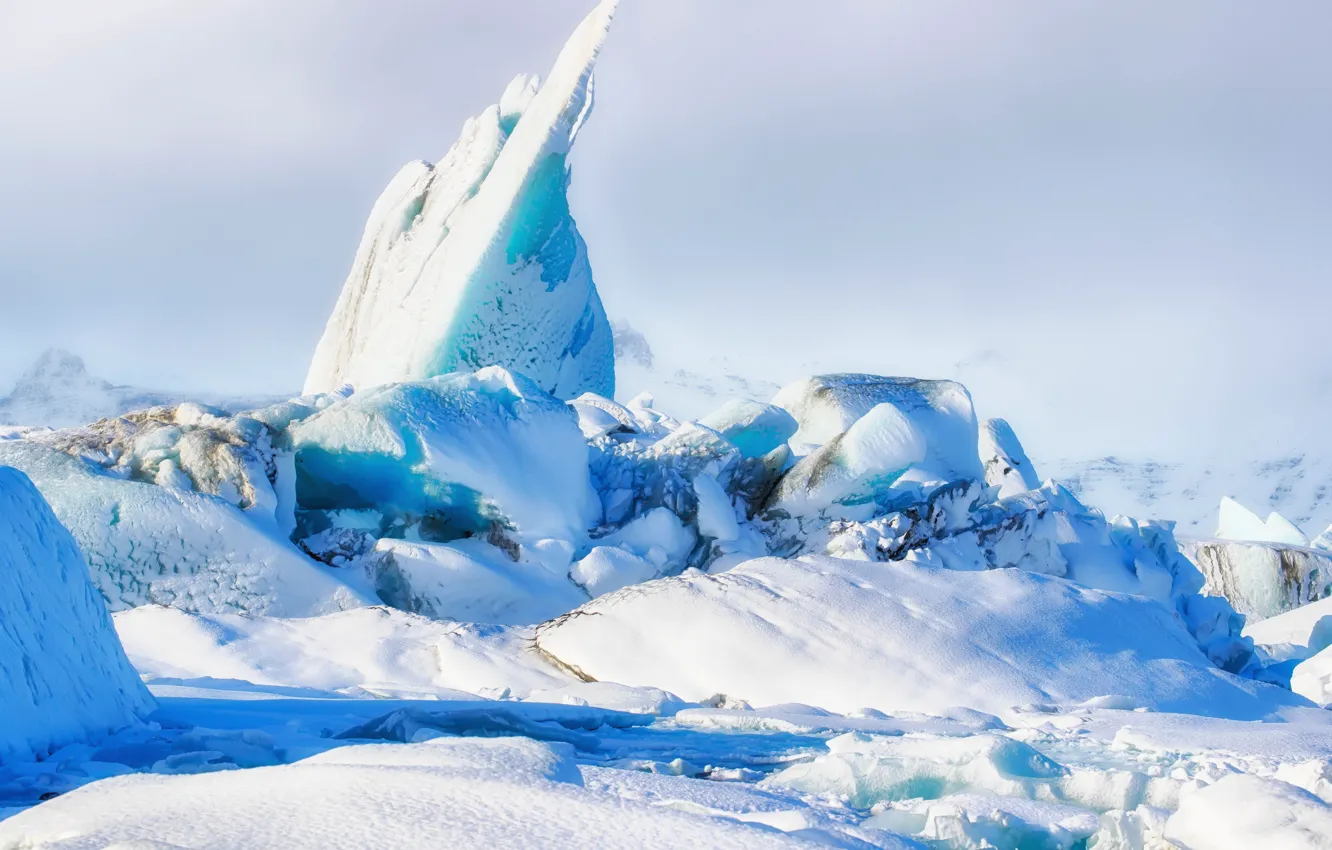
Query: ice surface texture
476	261
146	543
63	674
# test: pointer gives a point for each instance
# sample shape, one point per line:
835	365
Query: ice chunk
454	454
754	428
477	261
1237	522
828	405
716	514
470	581
63	674
608	568
658	535
1006	463
774	631
1262	579
147	544
1240	812
854	467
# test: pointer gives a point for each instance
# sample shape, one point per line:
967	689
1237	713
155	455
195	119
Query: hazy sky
1112	219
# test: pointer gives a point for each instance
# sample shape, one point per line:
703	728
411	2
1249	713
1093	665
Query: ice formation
655	611
1262	579
828	405
454	455
146	543
1006	463
1237	522
63	675
476	261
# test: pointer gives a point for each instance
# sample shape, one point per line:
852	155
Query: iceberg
476	261
63	675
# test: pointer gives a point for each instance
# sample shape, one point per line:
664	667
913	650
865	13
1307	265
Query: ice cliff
476	261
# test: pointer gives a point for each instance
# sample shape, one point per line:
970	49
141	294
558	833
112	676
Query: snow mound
773	631
150	544
477	261
446	792
368	652
58	391
1237	522
1240	812
941	411
452	456
63	674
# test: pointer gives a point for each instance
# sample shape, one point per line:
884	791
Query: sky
1111	220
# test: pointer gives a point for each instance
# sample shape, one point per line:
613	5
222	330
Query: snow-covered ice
457	453
773	631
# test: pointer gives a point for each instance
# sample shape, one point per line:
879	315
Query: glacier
477	261
64	677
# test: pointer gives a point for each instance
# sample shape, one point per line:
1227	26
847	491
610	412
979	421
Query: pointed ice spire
477	261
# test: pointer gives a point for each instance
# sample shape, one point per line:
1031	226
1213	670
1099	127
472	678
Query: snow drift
477	261
896	636
63	674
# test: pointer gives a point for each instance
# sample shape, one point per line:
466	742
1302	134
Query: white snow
477	261
63	676
773	631
1241	812
370	652
448	792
